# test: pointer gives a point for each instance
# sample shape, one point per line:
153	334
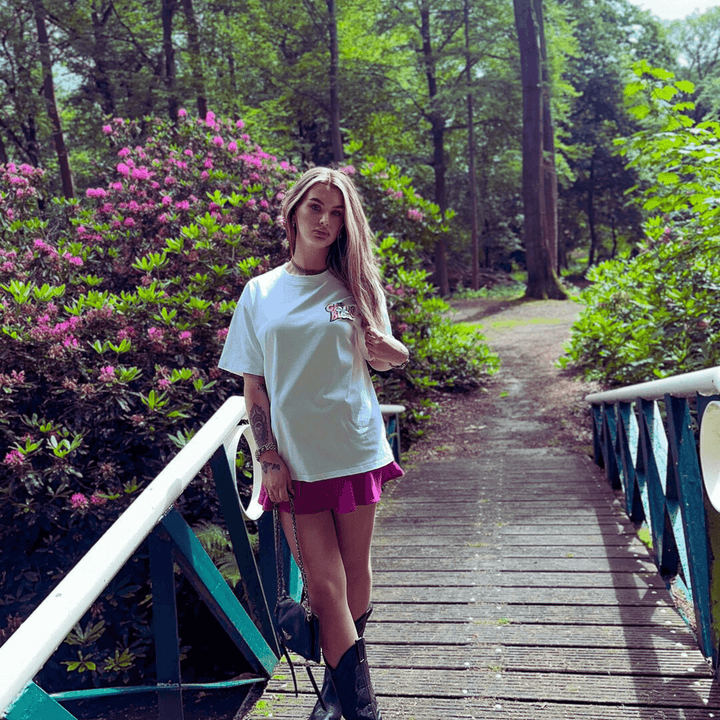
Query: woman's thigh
321	554
354	536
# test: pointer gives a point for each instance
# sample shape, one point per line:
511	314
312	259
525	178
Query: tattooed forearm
262	387
260	425
268	466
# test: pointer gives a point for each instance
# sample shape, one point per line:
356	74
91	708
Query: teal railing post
691	525
653	443
165	627
256	599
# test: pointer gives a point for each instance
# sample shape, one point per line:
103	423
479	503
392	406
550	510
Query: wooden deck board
548	608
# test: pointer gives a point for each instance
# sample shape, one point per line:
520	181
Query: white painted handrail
33	643
705	382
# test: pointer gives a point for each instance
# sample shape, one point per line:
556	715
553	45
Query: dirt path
530	394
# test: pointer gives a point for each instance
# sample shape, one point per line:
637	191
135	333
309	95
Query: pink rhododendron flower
129	222
7	267
96	499
73	260
14	458
107	374
185	337
182	112
240	124
116	185
348	170
164	384
79	501
204	175
107	129
96	192
182	205
156	334
218	141
264	204
162	218
123	169
166	200
222	333
232	146
414	214
124	152
133	206
208	164
263	217
141	173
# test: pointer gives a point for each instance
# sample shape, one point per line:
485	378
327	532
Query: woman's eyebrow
318	200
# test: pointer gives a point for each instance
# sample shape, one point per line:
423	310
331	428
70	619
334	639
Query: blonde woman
302	336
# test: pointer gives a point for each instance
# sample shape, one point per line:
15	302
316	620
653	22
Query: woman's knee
327	592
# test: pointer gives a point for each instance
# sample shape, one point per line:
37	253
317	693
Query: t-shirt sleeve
243	352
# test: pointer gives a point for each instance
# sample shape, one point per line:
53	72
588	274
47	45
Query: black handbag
297	625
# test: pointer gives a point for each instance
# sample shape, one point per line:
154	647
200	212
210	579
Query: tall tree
196	66
167	14
50	103
542	280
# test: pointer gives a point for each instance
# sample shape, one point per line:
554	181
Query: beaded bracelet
264	448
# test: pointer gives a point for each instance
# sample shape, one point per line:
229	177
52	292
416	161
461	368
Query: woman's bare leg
326	578
354	532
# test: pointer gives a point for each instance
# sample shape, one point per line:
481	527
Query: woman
301	336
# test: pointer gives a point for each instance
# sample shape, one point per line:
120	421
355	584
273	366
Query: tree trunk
198	79
591	214
168	10
437	122
335	134
50	104
537	198
471	159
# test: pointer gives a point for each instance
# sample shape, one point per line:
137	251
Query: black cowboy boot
351	679
332	709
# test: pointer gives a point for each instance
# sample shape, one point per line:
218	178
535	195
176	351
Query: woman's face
318	218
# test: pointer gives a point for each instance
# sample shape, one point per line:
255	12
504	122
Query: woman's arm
275	474
385	352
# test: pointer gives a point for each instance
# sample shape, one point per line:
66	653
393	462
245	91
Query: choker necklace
307	272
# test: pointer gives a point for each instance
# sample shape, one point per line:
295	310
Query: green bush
114	311
654	313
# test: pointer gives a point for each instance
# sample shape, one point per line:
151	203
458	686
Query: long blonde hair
350	257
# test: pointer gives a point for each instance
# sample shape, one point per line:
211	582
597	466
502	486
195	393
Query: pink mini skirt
341	494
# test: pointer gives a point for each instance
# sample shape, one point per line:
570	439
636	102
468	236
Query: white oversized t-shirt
302	334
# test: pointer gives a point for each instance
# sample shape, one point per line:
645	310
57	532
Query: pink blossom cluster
14	459
79	501
415	214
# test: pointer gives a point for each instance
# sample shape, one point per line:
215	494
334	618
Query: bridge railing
646	437
171	541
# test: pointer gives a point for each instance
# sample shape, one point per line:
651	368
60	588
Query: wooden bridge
510	583
514	586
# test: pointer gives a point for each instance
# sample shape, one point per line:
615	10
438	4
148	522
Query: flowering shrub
114	311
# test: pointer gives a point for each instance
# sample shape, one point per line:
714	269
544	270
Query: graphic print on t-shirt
340	311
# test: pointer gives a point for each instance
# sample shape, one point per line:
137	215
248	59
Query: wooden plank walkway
513	586
508	581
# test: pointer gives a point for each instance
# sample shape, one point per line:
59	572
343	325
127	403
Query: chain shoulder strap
305	601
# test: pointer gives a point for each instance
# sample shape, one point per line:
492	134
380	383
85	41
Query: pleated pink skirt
341	494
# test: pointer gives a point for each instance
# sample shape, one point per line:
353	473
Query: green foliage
655	314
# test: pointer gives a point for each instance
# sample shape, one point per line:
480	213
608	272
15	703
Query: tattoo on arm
268	466
262	387
260	425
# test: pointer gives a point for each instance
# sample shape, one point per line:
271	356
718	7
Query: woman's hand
276	477
384	351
